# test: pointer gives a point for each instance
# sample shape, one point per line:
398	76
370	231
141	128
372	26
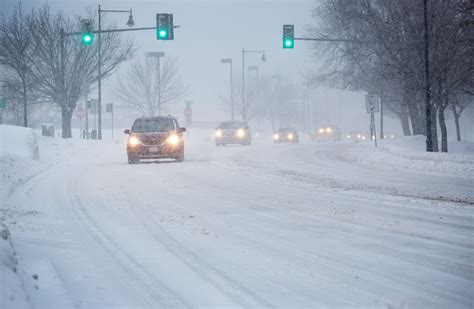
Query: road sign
80	112
188	116
92	105
3	102
188	103
371	103
109	107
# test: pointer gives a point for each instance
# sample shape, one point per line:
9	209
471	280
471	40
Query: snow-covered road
258	226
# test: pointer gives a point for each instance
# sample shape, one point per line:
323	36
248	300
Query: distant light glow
321	131
328	130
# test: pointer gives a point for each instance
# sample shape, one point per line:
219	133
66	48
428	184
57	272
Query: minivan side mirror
126	131
181	130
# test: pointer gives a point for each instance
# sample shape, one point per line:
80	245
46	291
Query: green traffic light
163	34
87	38
288	43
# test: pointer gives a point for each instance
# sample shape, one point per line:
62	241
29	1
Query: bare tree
384	47
140	91
16	51
61	76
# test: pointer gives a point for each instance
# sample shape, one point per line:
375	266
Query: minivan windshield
230	125
153	125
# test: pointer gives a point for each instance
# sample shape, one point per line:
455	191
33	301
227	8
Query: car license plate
153	149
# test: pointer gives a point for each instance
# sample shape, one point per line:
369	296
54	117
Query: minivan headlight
133	141
240	133
173	140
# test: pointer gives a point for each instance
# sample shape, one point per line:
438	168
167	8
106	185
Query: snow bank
12	295
408	153
18	141
19	153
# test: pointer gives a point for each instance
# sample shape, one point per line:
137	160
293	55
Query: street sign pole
372	106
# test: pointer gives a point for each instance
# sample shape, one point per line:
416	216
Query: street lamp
157	55
130	23
229	61
255	68
263	59
278	79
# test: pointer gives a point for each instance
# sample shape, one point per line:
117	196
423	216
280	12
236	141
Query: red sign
80	112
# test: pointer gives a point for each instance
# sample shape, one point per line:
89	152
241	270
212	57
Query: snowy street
308	225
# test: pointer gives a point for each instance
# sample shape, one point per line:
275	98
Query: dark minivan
155	138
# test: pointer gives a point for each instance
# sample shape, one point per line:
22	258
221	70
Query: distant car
357	136
233	132
326	133
286	135
155	138
389	135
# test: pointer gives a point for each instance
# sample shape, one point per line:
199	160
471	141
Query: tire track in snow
156	293
213	275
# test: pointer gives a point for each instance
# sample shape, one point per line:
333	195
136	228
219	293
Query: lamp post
229	61
278	79
130	23
157	55
263	59
255	68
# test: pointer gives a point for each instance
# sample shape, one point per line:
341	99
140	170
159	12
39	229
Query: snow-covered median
408	154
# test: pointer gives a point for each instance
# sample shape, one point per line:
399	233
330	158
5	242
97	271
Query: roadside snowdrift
12	294
408	154
19	153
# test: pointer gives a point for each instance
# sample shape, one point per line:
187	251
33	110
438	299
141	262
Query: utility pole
244	116
229	61
157	55
255	68
130	23
429	141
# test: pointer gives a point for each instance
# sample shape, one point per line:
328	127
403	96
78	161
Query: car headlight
218	133
276	136
348	136
363	137
328	130
290	136
358	136
321	131
133	141
173	140
392	136
240	133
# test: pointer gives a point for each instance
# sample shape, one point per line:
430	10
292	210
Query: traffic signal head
164	26
86	31
288	36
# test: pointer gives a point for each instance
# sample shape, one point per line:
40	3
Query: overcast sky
211	30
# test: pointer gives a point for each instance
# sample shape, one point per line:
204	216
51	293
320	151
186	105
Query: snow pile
408	153
18	141
12	295
19	153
